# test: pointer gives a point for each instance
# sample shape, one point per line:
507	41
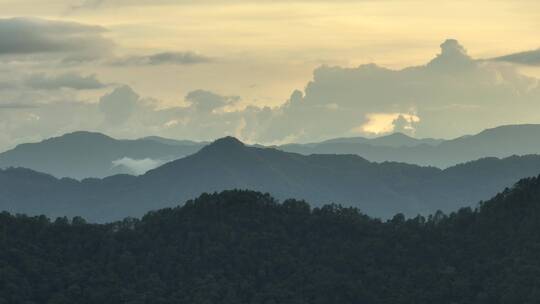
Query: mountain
244	247
86	154
499	142
392	140
378	189
173	142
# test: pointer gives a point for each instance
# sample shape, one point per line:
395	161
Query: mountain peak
225	144
77	137
228	140
85	134
397	135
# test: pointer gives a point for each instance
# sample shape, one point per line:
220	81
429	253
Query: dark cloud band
26	36
525	58
170	58
67	80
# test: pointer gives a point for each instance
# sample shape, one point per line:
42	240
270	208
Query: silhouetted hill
86	154
378	189
499	142
244	247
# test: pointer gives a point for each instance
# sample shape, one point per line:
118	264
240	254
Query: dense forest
245	247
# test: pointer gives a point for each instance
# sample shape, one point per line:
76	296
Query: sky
266	71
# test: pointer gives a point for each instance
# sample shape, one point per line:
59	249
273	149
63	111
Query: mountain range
499	142
86	154
378	189
395	140
89	154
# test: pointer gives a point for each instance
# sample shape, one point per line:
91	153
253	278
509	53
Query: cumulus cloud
170	58
524	58
453	58
451	95
380	123
137	166
119	105
405	124
74	81
204	115
30	36
206	101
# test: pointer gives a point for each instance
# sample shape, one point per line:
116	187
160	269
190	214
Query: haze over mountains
393	140
379	190
499	142
86	154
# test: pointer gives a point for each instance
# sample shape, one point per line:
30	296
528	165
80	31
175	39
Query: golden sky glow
282	42
259	52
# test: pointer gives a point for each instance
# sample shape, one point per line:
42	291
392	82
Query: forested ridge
245	247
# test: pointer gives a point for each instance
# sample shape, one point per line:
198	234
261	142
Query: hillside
503	141
379	190
244	247
86	154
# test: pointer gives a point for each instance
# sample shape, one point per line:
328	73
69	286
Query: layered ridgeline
243	247
502	141
379	190
86	154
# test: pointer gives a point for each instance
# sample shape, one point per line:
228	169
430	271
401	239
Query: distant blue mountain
378	189
392	140
87	154
499	142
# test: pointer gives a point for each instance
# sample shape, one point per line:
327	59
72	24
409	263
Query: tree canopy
246	247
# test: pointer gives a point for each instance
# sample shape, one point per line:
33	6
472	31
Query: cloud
73	81
171	58
29	123
119	105
404	123
30	36
206	101
525	58
95	4
380	123
75	43
7	85
89	4
453	58
137	166
16	106
451	95
122	113
206	116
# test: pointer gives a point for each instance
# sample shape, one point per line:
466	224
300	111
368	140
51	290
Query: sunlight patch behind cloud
380	123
